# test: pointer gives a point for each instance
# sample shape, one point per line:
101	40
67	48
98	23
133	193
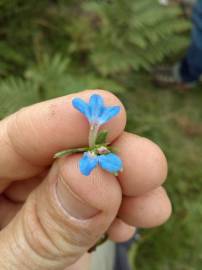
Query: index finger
30	137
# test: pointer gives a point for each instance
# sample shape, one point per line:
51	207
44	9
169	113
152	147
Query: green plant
49	78
109	37
128	34
54	54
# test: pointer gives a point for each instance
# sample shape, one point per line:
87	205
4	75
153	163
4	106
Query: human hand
50	214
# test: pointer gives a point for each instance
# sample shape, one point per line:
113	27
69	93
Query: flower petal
96	106
87	163
109	113
110	162
82	107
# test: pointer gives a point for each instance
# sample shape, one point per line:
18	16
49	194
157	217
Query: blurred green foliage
54	47
104	39
51	48
173	120
106	36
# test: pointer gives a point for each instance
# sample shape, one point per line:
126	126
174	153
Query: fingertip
119	231
100	189
149	210
144	164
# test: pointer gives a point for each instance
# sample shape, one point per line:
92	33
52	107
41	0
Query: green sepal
70	152
102	137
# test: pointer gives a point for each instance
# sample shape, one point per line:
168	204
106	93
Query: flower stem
70	152
93	135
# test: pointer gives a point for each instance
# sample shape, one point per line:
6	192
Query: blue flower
109	162
95	111
97	114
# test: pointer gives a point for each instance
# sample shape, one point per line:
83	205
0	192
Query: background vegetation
54	47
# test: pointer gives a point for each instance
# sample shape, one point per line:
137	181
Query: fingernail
72	203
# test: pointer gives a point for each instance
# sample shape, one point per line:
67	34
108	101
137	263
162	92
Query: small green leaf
70	152
102	137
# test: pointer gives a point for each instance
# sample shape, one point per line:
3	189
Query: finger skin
46	234
119	231
144	164
149	210
8	210
83	263
65	227
30	137
18	191
145	168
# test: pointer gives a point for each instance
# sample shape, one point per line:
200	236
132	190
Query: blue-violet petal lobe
87	163
110	162
82	107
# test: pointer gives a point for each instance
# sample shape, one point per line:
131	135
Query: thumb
61	219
